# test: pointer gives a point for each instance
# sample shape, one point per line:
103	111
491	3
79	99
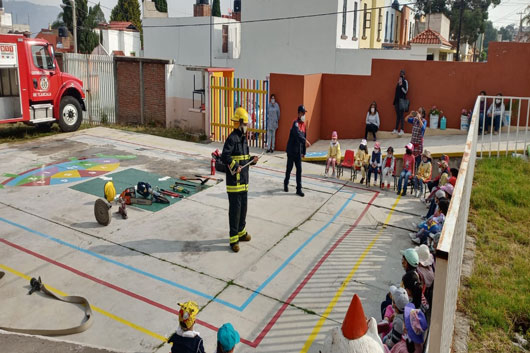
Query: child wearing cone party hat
357	334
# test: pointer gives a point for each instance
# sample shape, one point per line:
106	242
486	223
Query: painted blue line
293	255
131	268
188	289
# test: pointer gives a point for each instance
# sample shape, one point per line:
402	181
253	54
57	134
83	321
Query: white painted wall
186	40
348	42
256	49
125	41
359	62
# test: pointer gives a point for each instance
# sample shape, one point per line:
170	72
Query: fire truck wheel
70	114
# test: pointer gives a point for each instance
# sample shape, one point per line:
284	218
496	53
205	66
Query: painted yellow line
95	308
339	292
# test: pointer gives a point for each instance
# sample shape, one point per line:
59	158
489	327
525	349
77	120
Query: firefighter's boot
245	237
234	247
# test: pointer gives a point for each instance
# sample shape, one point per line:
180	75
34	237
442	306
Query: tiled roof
119	26
430	37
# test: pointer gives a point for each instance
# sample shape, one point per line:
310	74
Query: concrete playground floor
283	291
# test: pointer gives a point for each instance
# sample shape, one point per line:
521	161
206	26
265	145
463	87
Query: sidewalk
438	142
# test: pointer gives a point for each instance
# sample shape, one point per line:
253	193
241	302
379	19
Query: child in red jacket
408	170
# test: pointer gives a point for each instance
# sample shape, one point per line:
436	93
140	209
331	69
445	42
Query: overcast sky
502	15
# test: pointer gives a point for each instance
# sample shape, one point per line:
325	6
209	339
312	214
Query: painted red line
109	285
266	329
275	318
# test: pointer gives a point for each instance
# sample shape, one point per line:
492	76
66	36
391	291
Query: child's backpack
219	165
143	189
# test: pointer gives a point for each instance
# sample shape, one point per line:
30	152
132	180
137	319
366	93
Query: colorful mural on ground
64	172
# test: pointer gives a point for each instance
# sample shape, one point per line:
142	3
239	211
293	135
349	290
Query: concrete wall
450	250
179	99
125	41
451	86
437	22
190	43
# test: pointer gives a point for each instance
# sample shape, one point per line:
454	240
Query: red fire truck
33	90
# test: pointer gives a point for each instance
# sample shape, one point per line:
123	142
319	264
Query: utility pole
520	23
74	25
459	30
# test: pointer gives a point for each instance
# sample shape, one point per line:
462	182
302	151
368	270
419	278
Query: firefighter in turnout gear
235	156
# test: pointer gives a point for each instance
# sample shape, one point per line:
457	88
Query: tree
216	8
96	14
490	34
507	32
86	21
161	5
425	7
474	15
129	11
526	19
474	18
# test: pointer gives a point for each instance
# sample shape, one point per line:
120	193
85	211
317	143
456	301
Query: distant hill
40	16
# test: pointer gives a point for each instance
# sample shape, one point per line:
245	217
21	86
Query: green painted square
130	178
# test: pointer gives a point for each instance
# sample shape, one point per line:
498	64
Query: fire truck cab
33	90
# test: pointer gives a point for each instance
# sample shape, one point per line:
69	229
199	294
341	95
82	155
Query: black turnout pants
237	215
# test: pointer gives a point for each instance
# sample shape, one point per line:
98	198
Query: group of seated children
186	340
406	310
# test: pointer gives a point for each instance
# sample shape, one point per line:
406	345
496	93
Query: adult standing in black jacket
236	157
296	151
400	102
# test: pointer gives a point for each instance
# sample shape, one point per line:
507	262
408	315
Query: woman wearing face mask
296	151
400	100
495	113
273	116
372	121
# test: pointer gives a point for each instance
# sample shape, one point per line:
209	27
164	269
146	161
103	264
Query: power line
276	18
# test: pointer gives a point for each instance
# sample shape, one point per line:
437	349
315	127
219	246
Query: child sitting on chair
334	155
388	168
423	174
362	159
408	170
375	164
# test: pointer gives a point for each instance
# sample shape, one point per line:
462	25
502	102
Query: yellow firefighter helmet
240	115
110	191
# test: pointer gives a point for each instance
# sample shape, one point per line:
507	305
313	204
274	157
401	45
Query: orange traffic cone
354	325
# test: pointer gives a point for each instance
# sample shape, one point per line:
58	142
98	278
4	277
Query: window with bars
391	27
225	38
344	17
379	25
355	20
367	20
386	27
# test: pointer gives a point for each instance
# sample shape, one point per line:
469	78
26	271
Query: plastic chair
347	162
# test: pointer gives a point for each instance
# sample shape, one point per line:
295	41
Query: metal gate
97	74
227	94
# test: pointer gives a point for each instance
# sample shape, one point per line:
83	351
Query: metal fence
229	93
97	74
503	127
450	249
